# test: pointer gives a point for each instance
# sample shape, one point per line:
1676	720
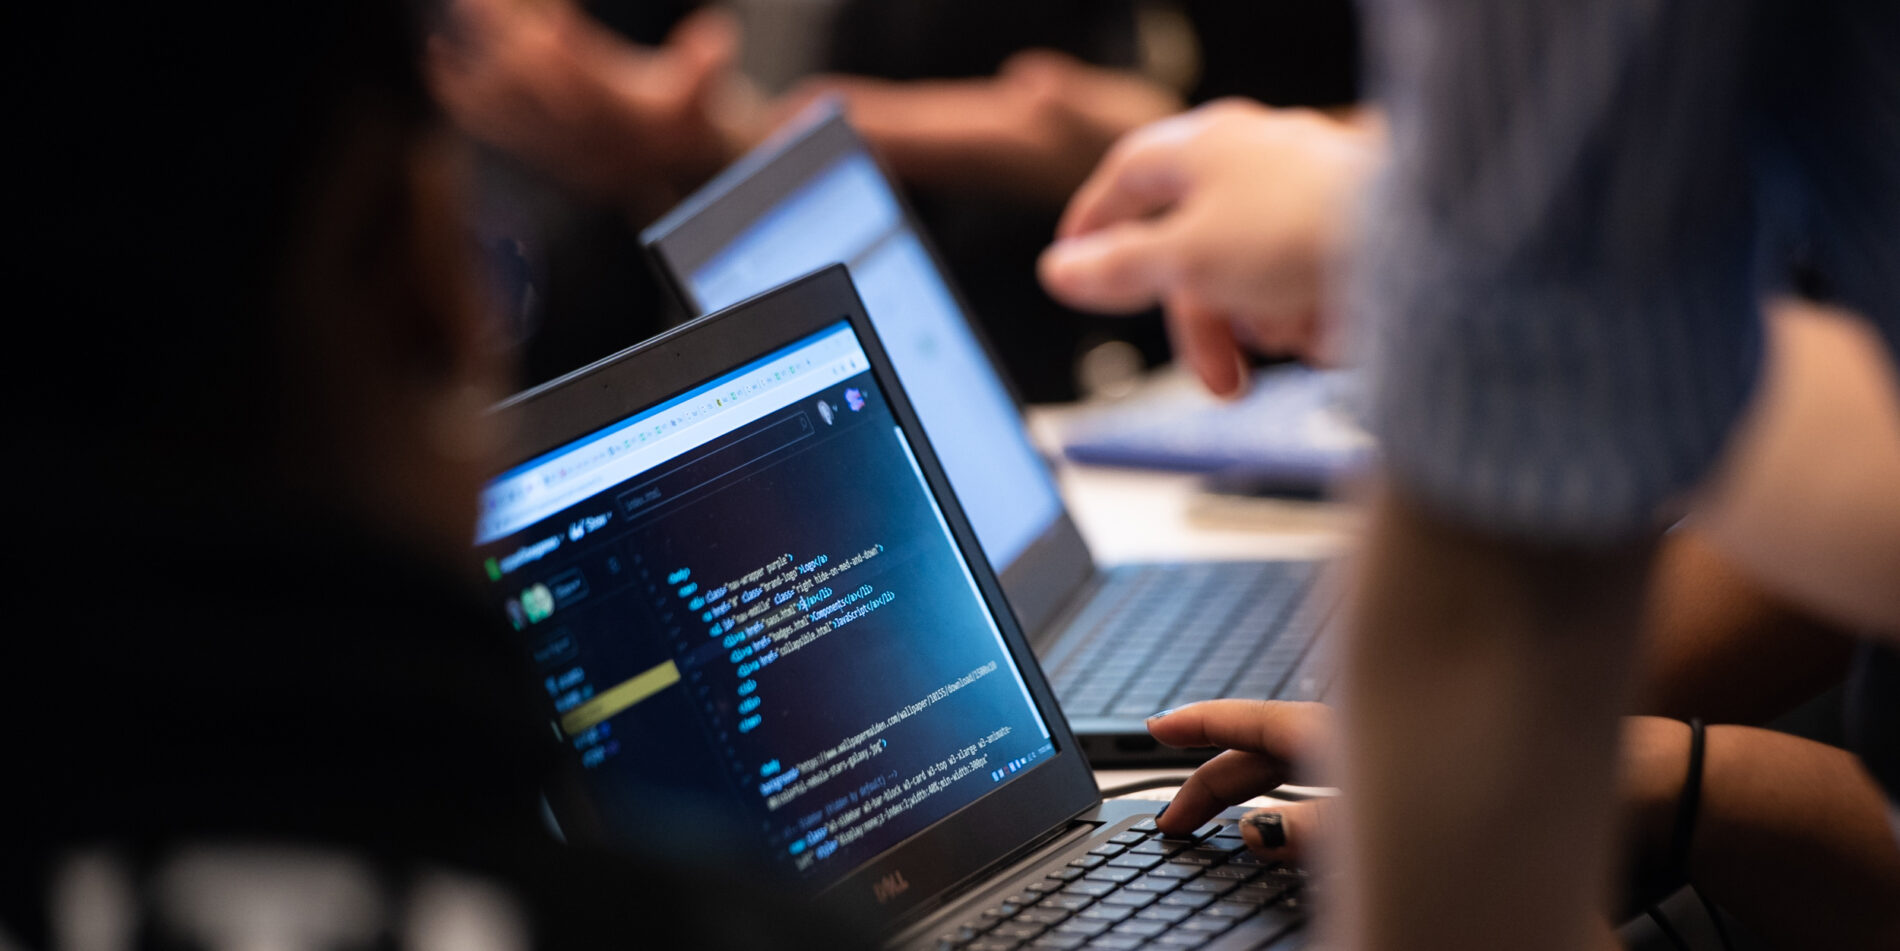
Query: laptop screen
749	595
846	212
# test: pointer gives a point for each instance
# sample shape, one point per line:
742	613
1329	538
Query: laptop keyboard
1141	890
1156	636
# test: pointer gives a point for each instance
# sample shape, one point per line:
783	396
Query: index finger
1283	729
1140	175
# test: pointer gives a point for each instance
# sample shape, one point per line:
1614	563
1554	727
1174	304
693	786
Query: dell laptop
1118	643
740	568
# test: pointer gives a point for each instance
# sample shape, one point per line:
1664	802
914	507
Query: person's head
245	263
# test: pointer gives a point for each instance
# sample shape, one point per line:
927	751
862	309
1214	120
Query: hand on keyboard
1267	743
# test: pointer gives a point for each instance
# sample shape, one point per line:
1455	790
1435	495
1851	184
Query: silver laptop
1118	642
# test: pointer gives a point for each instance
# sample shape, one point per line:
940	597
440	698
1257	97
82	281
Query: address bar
601	463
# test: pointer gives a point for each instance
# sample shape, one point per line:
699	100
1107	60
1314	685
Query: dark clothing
1282	54
1873	718
266	679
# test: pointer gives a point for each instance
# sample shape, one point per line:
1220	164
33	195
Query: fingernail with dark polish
1162	811
1271	829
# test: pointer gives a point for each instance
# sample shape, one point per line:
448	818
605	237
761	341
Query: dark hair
172	147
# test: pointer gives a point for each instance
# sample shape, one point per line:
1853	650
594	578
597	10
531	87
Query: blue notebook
1295	424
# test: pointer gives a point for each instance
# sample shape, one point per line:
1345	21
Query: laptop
743	575
1119	643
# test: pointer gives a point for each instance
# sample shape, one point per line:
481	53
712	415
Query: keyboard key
1067	874
1233	873
1028	896
1139	929
1130	897
1179	940
1118	943
992	944
1127	838
1166	914
1186	899
1172	870
1201	858
1108	850
1018	931
1145	825
1108	913
1141	861
1044	916
1086	861
1107	874
1210	828
1067	902
1158	886
1082	927
1208	886
959	937
1259	893
1004	910
1157	847
1229	909
1206	925
1057	942
1093	889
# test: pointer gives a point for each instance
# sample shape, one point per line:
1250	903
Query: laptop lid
815	195
743	576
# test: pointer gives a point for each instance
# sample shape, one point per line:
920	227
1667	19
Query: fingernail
1269	826
1161	811
1157	716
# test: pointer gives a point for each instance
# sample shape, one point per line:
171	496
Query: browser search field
682	480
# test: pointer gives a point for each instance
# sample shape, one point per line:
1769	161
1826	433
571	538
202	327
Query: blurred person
254	699
1768	802
637	126
1559	293
991	112
591	122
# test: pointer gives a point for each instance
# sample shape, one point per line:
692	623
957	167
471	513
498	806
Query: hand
1031	132
546	84
1267	742
1230	217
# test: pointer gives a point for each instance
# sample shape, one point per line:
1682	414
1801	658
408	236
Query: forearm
1719	645
1482	685
1793	838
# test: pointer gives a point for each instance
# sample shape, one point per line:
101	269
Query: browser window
749	594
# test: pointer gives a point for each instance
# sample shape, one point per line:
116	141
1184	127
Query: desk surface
1129	515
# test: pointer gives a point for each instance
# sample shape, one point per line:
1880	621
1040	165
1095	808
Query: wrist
1655	765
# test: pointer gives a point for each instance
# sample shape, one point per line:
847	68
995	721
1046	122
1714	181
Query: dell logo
889	887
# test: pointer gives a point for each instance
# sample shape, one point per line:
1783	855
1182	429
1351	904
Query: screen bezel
1056	563
985	831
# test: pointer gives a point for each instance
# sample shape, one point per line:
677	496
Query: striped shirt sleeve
1557	282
